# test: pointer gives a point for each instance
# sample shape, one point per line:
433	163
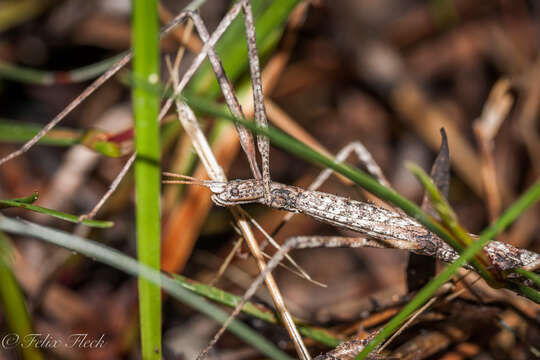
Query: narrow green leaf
18	132
529	275
14	132
55	213
33	76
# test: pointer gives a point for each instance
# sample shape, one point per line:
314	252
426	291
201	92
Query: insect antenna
185	179
189	180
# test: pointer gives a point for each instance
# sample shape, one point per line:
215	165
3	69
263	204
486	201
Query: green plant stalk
117	260
509	216
320	335
33	76
12	131
147	169
528	274
523	290
54	213
14	305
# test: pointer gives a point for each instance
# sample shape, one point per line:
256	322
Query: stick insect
382	228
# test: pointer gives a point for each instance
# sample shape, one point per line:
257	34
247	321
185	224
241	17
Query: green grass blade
54	213
40	77
147	169
124	263
320	335
529	275
16	132
14	306
523	290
